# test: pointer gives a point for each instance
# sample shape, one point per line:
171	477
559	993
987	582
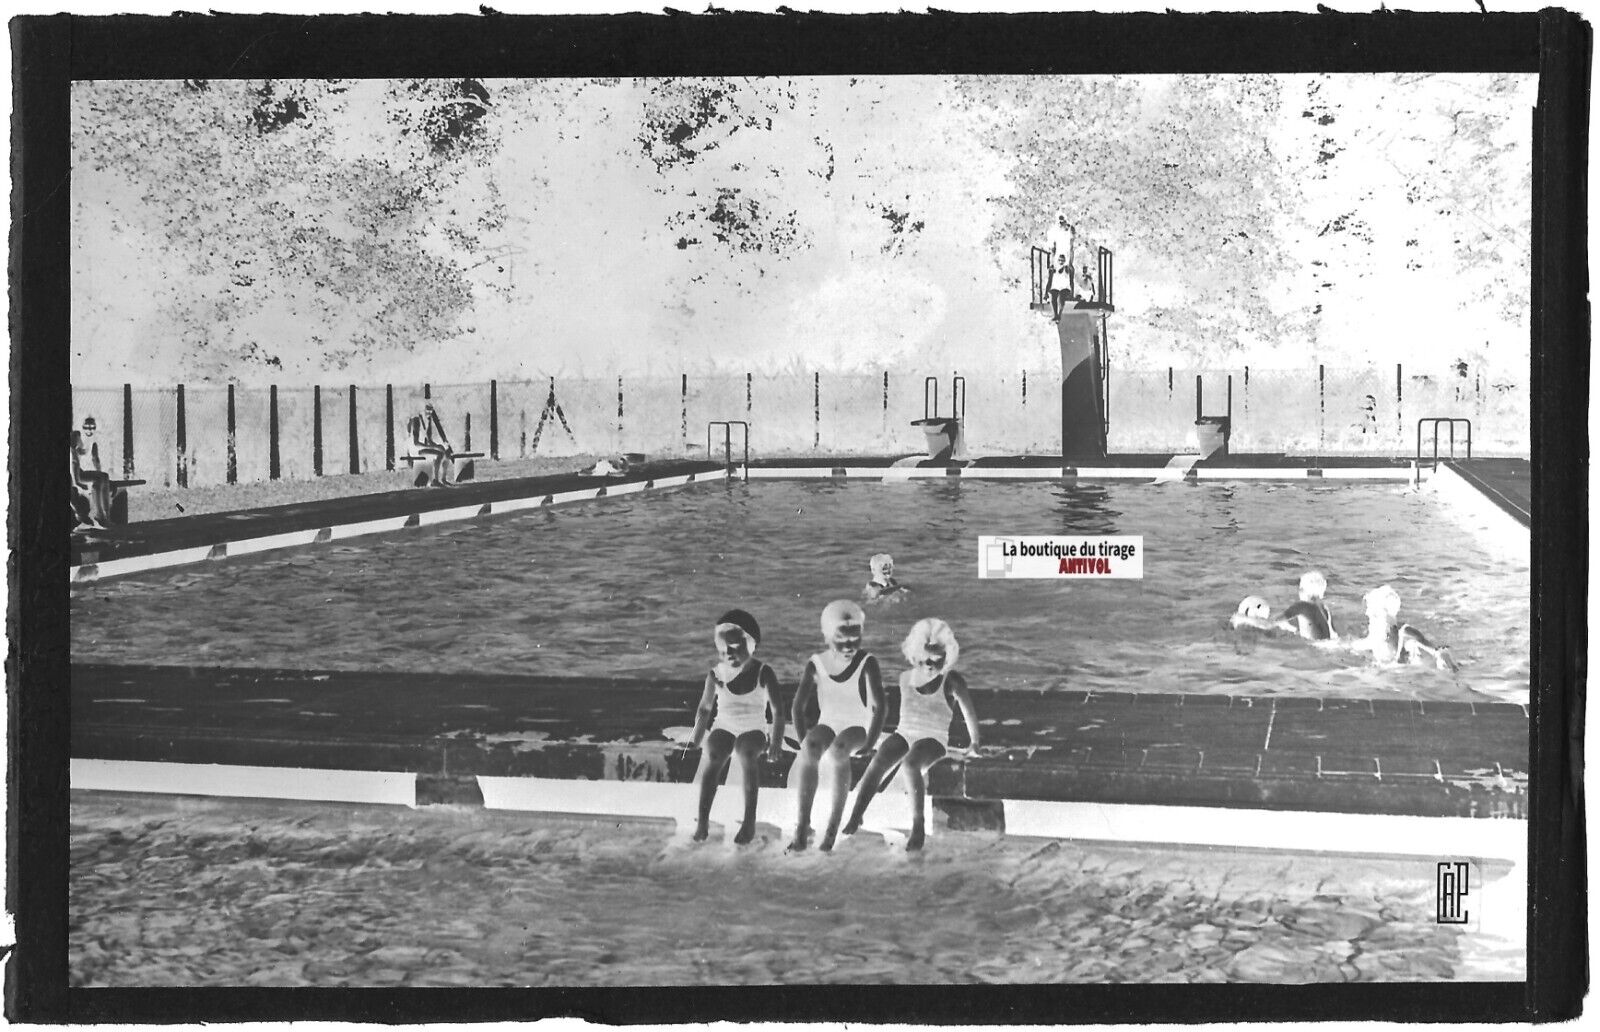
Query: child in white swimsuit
742	692
930	694
848	690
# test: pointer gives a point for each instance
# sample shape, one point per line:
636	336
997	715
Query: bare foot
701	832
802	837
853	826
914	840
747	832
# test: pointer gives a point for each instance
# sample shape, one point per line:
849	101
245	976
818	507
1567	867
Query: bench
465	471
119	503
409	460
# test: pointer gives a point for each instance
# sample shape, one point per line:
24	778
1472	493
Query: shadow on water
1086	509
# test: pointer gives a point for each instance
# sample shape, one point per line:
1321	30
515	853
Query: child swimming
1310	617
883	587
848	688
743	694
1390	641
1253	612
930	694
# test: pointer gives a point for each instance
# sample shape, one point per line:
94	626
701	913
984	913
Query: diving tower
1082	331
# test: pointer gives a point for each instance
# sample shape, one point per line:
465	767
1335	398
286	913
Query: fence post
1322	422
127	430
355	444
183	443
466	435
388	426
749	394
427	392
233	455
885	429
816	410
683	428
494	419
620	438
316	431
1399	407
272	432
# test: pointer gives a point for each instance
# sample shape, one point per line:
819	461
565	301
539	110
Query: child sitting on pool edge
883	587
847	687
930	694
742	692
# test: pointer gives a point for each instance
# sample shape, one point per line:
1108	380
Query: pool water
187	892
630	587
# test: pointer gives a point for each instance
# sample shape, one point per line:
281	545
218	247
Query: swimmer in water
1390	641
742	692
883	587
847	687
1255	613
1309	617
931	693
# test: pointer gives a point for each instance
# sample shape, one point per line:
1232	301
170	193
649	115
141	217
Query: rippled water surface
184	892
629	587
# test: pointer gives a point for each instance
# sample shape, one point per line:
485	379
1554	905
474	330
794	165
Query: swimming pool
628	587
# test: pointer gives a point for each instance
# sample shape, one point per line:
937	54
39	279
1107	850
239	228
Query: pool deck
1508	483
1351	756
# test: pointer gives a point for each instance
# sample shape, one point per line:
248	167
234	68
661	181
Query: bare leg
890	751
805	768
924	754
838	764
713	759
747	751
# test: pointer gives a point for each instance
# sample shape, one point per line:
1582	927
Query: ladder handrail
727	442
1436	420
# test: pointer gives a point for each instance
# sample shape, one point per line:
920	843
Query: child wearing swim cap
845	684
1391	641
741	693
1253	612
882	587
930	694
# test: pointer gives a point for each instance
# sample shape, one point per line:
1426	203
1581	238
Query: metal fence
200	435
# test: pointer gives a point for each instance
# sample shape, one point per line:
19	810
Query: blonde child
930	694
742	693
847	686
1309	617
1391	641
882	587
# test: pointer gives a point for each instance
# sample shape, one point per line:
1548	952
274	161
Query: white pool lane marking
392	788
1501	840
88	573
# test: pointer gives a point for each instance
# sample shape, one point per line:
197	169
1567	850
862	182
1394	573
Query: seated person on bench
91	485
429	439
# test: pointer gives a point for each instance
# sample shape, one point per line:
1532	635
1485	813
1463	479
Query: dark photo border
51	52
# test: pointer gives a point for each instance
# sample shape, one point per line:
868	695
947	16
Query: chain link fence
203	435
